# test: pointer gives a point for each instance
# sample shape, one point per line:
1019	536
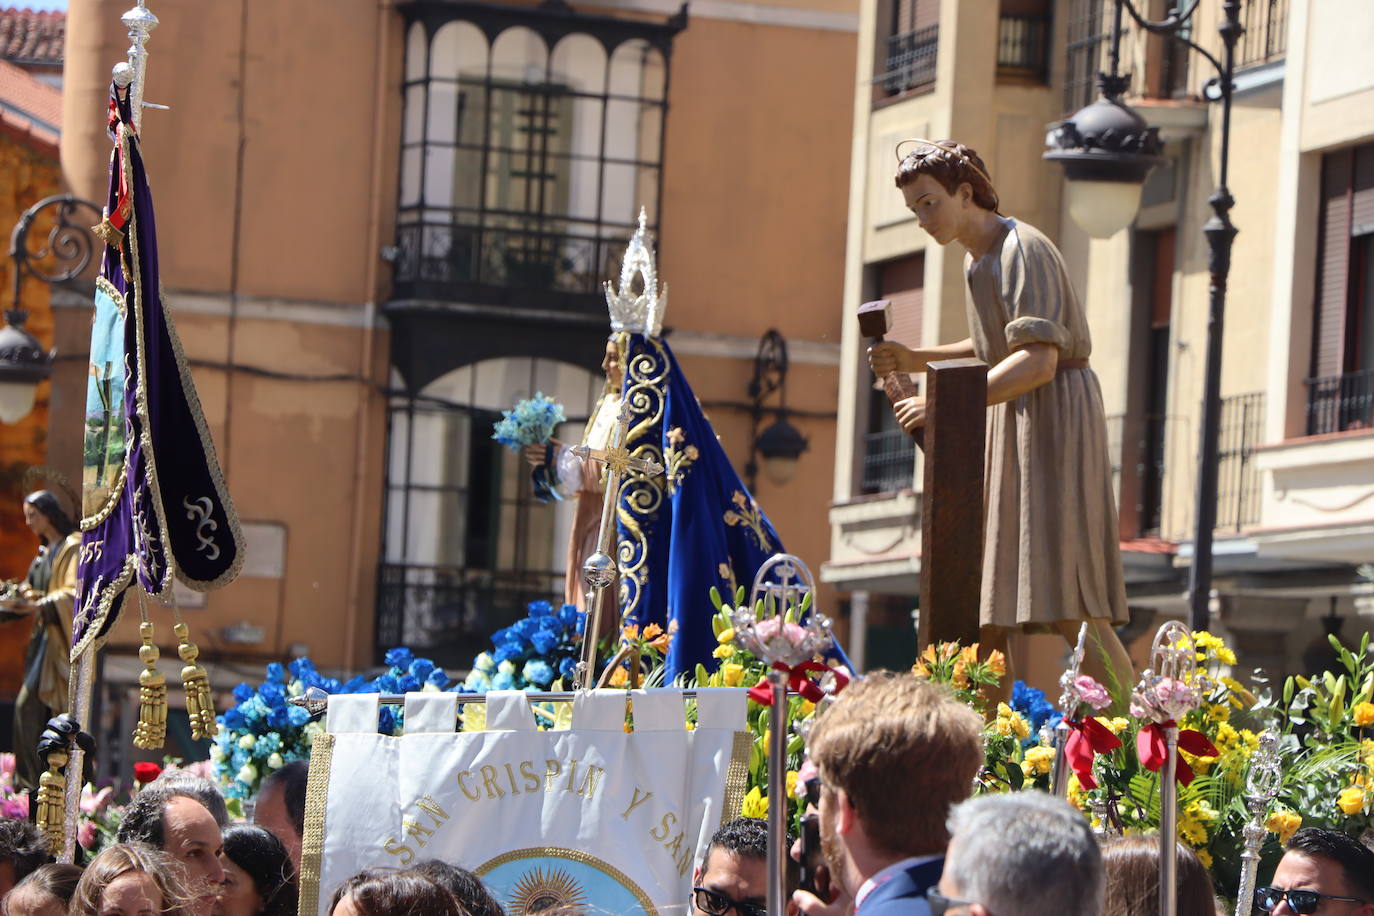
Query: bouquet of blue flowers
530	422
1033	706
532	653
262	732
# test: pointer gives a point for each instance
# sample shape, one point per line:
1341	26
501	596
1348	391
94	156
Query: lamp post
66	251
781	444
1108	144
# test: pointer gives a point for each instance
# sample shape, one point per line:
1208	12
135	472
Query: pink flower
1092	693
1171	692
17	807
93	802
85	834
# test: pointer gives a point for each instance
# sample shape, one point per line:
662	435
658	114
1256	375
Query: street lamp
1103	143
68	248
781	444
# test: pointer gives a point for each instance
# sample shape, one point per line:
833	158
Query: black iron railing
889	461
462	262
1337	403
1238	480
1266	32
449	613
910	60
1023	46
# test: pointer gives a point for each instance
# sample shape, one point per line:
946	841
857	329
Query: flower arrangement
531	654
960	669
262	732
529	422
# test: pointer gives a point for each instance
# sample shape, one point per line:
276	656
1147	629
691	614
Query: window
907	45
1089	34
1341	389
524	163
889	452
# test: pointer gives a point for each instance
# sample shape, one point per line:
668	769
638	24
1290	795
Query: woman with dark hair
1130	867
258	877
45	892
386	892
47	595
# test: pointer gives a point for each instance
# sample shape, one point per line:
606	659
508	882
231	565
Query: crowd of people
889	828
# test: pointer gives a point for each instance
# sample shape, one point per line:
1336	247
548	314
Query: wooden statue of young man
1052	557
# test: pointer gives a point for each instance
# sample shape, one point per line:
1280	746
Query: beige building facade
382	222
1296	492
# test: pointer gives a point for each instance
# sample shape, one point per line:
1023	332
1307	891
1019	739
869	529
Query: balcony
1340	403
1238	479
910	62
1265	39
1023	44
889	462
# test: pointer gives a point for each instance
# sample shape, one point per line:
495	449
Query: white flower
506	667
275	762
217	753
248	775
247	741
311	730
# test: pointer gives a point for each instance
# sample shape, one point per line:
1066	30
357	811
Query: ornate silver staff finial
140	22
1262	783
1069	698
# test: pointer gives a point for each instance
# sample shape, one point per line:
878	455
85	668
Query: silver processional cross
600	569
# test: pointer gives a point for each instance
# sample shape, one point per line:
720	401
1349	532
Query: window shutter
903	282
1333	269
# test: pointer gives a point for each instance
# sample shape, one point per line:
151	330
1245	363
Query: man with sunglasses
1322	872
893	753
733	876
1019	854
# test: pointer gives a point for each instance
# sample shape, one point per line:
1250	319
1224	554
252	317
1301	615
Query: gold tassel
51	798
151	730
199	706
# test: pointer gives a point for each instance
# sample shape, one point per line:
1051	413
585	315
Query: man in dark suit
893	753
1019	854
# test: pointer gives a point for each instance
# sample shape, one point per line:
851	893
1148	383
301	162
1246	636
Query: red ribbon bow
797	682
1089	737
1153	749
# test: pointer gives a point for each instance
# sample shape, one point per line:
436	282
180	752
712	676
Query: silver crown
638	313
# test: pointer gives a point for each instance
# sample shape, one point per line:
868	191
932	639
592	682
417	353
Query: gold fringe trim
151	731
312	838
196	682
108	234
51	798
737	776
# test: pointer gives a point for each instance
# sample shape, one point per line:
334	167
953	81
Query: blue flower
503	681
568	615
421	668
274	695
408	683
438	678
387	720
355	684
477	681
279	719
234	719
297	716
301	667
507	652
276	673
267	745
538	672
544	642
243	692
237	758
399	658
330	685
566	667
388	683
540	609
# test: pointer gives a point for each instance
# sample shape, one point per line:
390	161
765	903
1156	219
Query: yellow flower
1192	831
791	783
1077	797
1200	765
1038	760
1204	857
755	804
1218	712
733	674
726	635
1364	714
1227	656
1351	800
806	708
1004	711
1020	727
723	651
1283	823
1116	726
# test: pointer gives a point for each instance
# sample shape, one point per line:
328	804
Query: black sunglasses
1301	902
939	902
715	903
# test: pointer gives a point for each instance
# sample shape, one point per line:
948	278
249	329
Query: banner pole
777	794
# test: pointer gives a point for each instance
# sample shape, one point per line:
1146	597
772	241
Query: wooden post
952	504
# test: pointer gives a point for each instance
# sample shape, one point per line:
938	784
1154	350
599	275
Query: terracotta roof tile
29	36
29	104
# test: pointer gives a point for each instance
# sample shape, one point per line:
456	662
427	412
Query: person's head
258	875
281	806
468	889
733	875
387	892
45	892
44	515
894	753
184	782
183	828
1130	868
1021	854
131	879
23	847
613	362
944	183
1339	869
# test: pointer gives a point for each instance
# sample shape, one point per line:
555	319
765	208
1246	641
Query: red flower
145	772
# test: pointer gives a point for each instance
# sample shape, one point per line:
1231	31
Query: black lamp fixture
1107	150
781	444
66	252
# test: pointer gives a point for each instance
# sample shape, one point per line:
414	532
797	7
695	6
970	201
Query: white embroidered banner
592	817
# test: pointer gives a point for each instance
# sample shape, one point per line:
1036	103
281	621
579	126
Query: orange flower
631	632
968	655
652	630
997	663
619	677
960	677
656	638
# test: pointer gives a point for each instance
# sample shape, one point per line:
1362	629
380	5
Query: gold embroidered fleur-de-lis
747	514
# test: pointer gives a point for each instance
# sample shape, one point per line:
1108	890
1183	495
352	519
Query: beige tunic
1052	549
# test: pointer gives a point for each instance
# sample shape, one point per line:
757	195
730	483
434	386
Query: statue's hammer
875	320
